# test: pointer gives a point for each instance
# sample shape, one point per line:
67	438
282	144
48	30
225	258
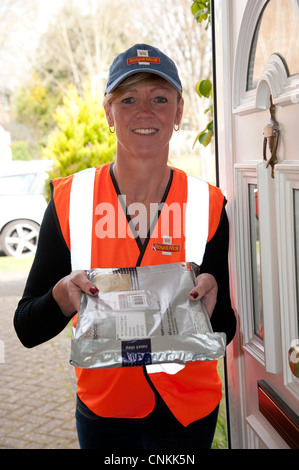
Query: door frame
222	54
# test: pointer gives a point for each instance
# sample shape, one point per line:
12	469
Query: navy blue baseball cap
142	58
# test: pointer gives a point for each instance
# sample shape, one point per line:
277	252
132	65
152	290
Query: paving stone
38	386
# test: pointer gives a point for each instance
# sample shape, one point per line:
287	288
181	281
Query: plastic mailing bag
143	316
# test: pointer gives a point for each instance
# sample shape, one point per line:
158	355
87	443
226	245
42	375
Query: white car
22	205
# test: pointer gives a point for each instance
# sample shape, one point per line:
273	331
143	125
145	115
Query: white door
256	60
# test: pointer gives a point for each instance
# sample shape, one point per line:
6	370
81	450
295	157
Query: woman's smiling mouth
145	131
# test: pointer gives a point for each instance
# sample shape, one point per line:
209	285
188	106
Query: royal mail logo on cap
143	58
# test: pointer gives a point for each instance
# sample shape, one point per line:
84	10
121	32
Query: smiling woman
144	104
143	109
158	215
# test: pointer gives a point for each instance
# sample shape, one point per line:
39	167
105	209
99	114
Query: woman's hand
205	288
67	292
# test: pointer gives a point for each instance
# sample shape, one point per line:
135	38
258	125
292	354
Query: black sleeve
215	262
38	317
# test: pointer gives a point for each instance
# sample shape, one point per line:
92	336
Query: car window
43	177
16	184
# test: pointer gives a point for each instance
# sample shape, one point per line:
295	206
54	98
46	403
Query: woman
127	407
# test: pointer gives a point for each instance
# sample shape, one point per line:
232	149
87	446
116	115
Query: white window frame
284	89
246	174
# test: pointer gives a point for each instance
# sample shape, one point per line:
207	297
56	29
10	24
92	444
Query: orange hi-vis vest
94	224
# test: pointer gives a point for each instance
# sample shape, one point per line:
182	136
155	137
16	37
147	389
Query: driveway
37	393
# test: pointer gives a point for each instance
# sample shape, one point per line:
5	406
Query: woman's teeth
145	131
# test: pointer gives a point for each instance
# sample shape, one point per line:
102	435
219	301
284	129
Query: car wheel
19	238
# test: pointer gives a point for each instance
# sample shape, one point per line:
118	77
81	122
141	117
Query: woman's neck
144	182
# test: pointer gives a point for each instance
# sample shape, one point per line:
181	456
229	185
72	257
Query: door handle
271	137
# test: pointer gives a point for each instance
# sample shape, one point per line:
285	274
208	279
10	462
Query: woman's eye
128	100
161	99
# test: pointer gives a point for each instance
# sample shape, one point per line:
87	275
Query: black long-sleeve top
38	317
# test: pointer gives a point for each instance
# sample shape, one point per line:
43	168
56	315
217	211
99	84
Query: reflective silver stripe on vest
80	218
196	219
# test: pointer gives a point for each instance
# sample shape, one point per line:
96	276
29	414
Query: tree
34	106
78	44
179	36
82	41
18	35
201	11
81	138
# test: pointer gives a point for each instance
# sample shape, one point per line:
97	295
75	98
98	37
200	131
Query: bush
20	151
81	138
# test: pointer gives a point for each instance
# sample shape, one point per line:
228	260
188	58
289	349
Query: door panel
263	208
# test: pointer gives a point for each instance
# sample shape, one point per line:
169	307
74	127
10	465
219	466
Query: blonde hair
137	79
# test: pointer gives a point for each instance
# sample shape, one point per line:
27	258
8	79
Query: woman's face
144	117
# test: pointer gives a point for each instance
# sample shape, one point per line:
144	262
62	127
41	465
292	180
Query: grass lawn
220	438
11	264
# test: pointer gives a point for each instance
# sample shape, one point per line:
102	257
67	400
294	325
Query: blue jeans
159	430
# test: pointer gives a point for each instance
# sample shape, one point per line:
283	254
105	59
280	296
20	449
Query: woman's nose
144	108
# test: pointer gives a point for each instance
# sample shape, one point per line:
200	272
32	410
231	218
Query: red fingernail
194	295
93	290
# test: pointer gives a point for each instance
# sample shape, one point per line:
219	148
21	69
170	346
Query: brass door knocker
271	135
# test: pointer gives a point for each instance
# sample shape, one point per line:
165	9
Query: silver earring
176	127
112	129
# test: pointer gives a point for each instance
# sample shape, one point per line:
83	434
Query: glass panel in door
277	32
258	323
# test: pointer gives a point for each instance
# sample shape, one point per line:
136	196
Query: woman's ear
179	113
107	108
